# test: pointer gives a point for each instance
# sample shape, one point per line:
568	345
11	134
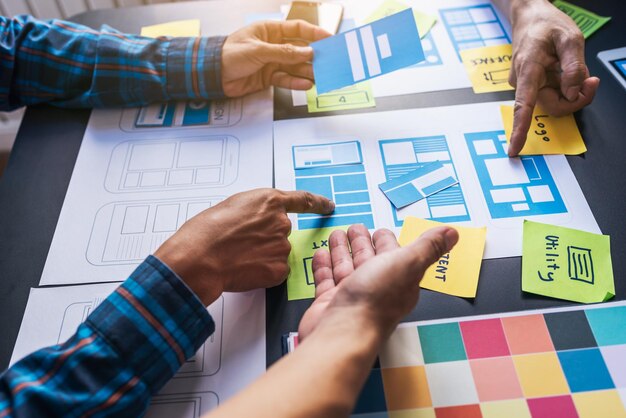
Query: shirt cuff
194	68
154	322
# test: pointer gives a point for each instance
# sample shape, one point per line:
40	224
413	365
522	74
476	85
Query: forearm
322	378
74	66
127	349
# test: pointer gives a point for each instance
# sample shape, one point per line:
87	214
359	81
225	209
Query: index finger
529	82
296	29
307	202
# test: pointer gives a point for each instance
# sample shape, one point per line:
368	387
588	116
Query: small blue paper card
418	184
366	52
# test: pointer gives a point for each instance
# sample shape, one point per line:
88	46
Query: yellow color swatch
599	404
357	96
457	272
488	67
540	375
423	21
406	388
516	408
179	28
547	134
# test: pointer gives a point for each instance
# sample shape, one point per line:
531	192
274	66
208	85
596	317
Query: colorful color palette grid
557	363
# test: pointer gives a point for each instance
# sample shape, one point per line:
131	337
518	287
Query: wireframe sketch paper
228	361
457	272
587	21
418	184
369	51
136	182
566	263
493	190
423	21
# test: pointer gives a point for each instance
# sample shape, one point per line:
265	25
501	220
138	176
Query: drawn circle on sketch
197	104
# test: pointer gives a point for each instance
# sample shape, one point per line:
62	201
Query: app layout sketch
402	156
473	27
512	187
334	170
189	114
205	362
178	164
127	232
184	405
431	53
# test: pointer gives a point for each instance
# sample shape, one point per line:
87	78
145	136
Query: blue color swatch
585	370
375	49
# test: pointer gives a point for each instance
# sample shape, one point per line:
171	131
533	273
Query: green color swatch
304	243
441	343
357	96
587	22
566	263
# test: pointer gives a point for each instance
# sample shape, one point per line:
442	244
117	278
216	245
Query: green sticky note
357	96
587	22
566	263
423	21
304	243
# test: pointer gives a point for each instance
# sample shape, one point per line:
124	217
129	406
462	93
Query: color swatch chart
557	363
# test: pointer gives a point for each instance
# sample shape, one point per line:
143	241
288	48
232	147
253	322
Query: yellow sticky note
547	134
488	67
457	272
357	96
423	21
179	28
304	243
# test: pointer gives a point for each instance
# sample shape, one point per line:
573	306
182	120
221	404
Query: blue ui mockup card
366	52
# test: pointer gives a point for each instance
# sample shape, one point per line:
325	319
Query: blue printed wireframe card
366	52
418	184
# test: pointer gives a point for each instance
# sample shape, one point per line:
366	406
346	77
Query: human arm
71	65
136	340
360	298
548	65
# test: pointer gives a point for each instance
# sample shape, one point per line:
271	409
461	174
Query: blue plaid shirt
125	351
74	66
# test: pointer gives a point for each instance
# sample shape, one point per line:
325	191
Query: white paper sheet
541	188
139	177
230	359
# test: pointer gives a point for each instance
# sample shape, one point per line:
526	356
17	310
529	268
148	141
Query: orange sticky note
547	134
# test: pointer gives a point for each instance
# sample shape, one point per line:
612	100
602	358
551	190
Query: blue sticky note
418	184
375	49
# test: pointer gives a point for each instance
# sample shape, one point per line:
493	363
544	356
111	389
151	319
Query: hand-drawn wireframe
127	232
205	362
512	187
334	170
184	405
473	27
431	52
173	164
401	156
192	114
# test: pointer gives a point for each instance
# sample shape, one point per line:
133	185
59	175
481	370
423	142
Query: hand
239	244
261	55
548	66
378	282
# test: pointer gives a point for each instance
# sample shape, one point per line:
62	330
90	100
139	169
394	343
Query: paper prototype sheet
304	243
493	191
587	21
457	272
179	28
424	21
230	359
547	134
566	263
488	67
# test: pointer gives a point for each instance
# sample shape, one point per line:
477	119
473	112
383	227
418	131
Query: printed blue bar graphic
369	51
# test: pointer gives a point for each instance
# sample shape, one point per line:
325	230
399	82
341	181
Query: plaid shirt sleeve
71	65
125	351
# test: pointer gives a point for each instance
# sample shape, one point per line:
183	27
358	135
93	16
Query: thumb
428	248
284	53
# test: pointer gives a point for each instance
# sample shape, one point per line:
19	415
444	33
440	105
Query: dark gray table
33	187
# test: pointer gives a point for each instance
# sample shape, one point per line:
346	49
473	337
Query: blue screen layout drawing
334	170
512	187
